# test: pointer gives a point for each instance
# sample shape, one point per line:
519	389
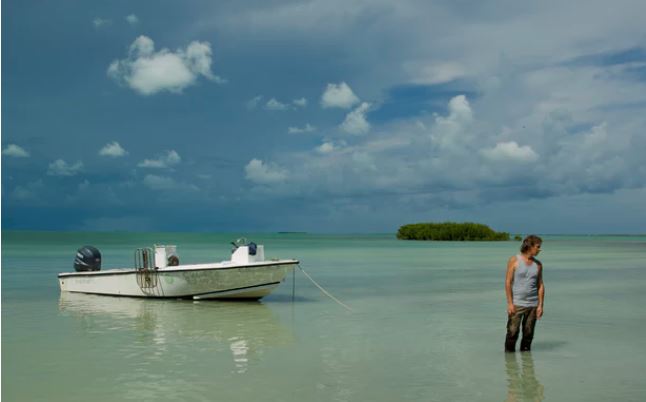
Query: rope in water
325	292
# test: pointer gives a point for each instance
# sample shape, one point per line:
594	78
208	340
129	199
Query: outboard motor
88	258
253	247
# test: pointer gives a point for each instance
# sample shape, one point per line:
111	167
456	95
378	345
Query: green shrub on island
453	231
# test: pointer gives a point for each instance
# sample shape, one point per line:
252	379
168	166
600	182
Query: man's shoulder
538	262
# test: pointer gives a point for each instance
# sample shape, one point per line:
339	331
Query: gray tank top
525	287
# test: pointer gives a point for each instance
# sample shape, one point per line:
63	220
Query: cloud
15	151
593	160
101	22
29	191
273	104
149	72
61	168
155	182
434	73
460	158
84	185
326	148
510	152
512	93
338	96
302	102
21	193
308	128
355	122
171	158
253	102
260	173
113	150
132	19
450	132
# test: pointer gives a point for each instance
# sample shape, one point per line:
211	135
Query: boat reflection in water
179	330
522	384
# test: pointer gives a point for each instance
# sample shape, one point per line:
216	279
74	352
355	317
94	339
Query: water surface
428	323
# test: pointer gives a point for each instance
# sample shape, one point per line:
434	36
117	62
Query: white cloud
573	69
510	152
149	72
198	56
273	104
155	182
433	73
15	151
253	102
21	193
171	158
101	22
132	19
355	122
308	128
113	150
259	172
302	102
326	148
84	185
463	163
339	96
30	191
61	168
450	132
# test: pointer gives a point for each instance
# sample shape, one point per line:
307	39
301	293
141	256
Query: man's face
536	249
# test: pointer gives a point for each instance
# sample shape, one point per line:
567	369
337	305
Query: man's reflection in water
522	384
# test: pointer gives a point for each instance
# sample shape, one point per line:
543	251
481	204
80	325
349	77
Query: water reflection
522	384
244	330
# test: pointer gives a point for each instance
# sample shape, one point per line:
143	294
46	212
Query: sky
323	115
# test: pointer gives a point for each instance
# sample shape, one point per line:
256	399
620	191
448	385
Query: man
525	294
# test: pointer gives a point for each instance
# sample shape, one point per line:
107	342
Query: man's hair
529	242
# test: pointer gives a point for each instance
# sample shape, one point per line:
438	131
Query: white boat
157	273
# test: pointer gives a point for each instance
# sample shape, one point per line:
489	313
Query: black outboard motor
88	258
253	248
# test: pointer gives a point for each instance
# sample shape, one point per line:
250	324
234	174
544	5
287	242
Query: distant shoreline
253	232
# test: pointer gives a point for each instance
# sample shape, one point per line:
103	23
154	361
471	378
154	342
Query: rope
325	292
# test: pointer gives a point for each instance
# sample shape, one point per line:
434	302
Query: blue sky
323	116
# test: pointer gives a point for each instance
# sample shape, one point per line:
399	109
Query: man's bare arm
541	292
509	280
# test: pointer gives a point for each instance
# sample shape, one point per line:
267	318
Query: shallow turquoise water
428	323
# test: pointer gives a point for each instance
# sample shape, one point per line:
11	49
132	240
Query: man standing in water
525	294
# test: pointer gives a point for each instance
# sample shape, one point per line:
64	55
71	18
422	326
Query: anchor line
294	284
325	292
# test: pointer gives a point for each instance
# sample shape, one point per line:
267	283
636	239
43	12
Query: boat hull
215	281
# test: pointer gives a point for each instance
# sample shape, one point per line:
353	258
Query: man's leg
529	323
513	329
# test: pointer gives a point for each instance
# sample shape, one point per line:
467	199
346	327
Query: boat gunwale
182	296
195	267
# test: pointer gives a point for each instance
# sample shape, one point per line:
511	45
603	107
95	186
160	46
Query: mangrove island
452	231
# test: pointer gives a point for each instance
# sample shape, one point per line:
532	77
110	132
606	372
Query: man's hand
539	312
511	309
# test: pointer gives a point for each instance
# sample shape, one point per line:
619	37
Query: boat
157	273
